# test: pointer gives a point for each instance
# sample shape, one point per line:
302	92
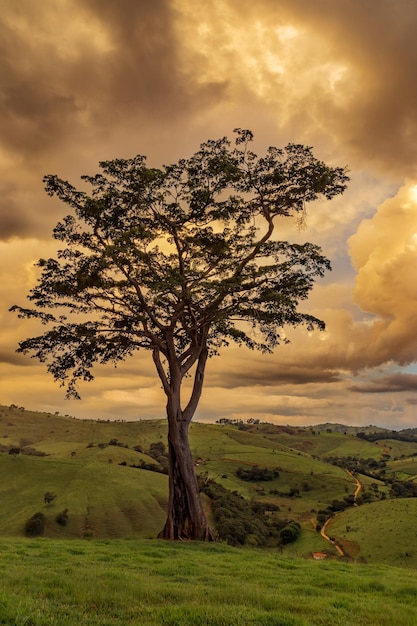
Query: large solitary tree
180	261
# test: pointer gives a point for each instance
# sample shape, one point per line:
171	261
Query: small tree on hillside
14	452
180	261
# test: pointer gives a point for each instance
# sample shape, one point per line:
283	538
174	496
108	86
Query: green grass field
379	532
106	500
46	582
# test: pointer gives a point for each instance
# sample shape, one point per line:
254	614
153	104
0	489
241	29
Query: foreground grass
147	582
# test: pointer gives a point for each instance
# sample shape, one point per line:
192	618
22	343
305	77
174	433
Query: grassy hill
149	583
379	532
87	465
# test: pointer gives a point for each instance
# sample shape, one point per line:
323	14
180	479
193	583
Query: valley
109	477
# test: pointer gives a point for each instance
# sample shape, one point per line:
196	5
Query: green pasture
107	500
103	499
379	532
149	583
406	467
324	444
24	427
397	449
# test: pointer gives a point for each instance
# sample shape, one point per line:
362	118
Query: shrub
290	533
33	452
49	497
158	452
292	493
152	467
35	526
240	522
257	473
116	442
157	449
62	517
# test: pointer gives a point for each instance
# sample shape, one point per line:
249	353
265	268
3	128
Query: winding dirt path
323	529
332	541
358	486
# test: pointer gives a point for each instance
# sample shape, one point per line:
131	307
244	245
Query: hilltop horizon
337	426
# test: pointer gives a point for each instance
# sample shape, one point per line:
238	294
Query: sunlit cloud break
86	81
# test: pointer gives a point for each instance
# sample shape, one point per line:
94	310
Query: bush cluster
151	467
62	518
158	452
29	451
405	489
293	492
35	525
116	442
374	468
239	521
290	532
257	473
390	434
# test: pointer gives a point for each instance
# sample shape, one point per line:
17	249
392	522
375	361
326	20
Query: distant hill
351	430
110	478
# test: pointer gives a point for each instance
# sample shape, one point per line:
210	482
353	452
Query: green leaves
178	259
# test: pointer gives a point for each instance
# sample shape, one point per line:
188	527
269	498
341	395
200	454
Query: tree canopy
181	261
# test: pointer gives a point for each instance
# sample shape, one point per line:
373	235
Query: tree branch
160	369
198	385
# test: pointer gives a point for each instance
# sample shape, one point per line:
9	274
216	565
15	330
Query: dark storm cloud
388	384
11	358
123	65
36	101
372	109
378	38
73	75
141	71
12	221
47	90
273	375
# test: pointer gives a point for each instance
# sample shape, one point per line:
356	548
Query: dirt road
323	530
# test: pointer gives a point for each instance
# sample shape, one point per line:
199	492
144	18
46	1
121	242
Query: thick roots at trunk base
186	519
188	532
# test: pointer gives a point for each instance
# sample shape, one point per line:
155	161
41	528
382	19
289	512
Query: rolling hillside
88	466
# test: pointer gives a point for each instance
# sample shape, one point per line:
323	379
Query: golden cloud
87	80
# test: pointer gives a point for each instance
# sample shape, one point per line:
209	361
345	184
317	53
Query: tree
35	525
290	533
14	451
179	261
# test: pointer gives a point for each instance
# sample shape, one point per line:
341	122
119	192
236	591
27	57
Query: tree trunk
186	518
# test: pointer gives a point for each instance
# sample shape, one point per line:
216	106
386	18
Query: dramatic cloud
89	80
328	70
388	384
384	253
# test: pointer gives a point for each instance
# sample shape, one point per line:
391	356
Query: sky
89	80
